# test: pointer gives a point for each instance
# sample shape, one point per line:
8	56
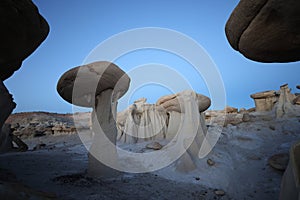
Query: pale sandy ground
241	167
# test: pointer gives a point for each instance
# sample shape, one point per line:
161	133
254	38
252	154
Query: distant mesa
266	31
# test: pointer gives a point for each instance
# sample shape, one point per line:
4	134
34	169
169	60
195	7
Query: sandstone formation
98	85
266	30
297	100
37	124
284	107
282	102
142	121
23	29
291	179
264	101
279	161
230	109
174	117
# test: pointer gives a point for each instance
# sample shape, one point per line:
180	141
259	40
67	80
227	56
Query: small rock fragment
39	146
272	127
279	161
219	192
154	146
210	162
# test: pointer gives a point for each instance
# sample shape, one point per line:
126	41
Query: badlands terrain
247	162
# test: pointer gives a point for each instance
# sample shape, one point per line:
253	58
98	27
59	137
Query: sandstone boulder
297	100
23	29
266	30
279	161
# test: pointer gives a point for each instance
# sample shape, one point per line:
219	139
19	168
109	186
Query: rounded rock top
262	95
80	85
172	103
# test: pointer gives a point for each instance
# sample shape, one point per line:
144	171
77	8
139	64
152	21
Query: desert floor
241	168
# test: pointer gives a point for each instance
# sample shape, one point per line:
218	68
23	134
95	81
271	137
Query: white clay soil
237	167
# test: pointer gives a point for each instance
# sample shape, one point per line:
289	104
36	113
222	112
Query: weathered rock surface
284	107
266	31
291	178
230	109
297	100
282	102
279	161
178	117
36	124
264	101
142	121
154	146
23	29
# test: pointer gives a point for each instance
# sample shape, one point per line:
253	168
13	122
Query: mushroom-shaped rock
266	30
174	106
81	85
264	101
23	29
98	85
172	103
185	119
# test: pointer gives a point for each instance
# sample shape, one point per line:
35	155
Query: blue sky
78	26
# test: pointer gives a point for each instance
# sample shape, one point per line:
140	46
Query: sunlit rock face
177	118
282	102
264	101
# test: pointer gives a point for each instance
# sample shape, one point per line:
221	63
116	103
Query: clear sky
78	26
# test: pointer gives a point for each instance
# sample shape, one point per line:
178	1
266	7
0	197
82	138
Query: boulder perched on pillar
264	101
